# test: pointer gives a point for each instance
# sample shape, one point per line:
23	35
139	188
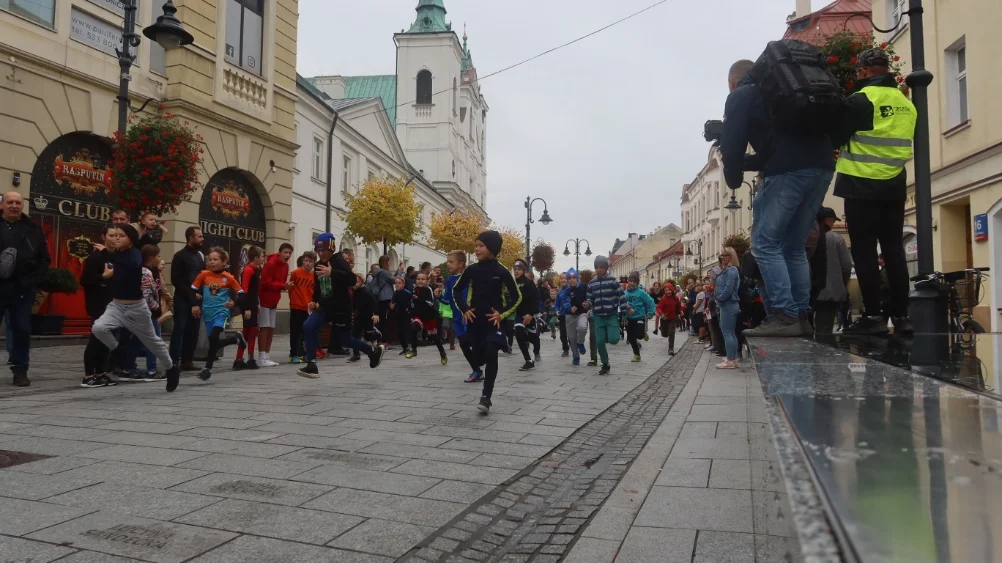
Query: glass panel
233	13
252	40
158	58
39	11
256	6
962	60
962	83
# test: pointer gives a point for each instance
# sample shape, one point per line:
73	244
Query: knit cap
492	240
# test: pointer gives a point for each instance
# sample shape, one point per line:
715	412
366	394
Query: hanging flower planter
841	50
155	164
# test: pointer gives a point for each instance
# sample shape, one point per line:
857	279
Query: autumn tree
383	211
512	246
543	256
456	229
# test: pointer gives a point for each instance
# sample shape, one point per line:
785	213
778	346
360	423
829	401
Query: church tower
441	114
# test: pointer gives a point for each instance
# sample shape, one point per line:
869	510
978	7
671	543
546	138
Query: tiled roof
832	19
379	86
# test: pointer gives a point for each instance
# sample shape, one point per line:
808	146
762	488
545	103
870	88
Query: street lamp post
688	252
167	31
545	219
577	250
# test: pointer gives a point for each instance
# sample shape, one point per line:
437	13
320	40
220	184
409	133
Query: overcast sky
606	130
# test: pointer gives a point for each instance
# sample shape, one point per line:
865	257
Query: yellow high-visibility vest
881	154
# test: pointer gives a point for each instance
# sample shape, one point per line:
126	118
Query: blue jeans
727	317
15	302
784	212
342	327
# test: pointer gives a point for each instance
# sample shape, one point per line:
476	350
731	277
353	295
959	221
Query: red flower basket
841	50
155	164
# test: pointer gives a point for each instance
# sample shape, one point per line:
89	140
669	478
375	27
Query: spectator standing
274	280
185	267
834	294
876	140
725	293
24	258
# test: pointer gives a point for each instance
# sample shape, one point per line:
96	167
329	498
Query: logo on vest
886	111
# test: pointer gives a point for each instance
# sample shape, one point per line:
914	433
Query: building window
42	12
424	91
158	59
894	10
244	33
318	157
345	173
956	97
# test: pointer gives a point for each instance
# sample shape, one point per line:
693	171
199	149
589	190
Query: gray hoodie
839	269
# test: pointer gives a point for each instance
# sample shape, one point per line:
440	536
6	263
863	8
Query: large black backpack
804	97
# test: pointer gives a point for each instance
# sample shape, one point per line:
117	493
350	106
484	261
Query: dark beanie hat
130	232
492	240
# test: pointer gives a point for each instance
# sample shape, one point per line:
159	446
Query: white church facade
427	123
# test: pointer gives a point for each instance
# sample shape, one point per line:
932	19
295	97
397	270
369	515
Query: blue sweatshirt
725	289
449	295
562	302
641	302
606	296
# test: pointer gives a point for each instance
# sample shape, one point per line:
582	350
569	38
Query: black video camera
713	130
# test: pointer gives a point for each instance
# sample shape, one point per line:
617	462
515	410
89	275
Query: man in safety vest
876	142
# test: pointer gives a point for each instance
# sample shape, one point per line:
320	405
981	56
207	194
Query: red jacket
669	306
273	277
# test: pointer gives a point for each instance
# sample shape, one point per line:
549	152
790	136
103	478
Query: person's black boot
173	378
239	364
355	357
309	371
605	370
527	366
485	405
21	379
865	326
376	356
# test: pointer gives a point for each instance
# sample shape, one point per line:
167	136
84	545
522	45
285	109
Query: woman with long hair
726	295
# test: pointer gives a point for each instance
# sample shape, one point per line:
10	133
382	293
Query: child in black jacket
400	308
366	317
424	317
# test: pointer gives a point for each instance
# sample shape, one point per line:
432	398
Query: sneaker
205	374
865	326
173	378
727	364
404	351
295	359
309	371
354	358
565	354
411	354
647	337
452	347
782	325
605	370
527	366
132	375
485	405
636	358
155	376
708	348
239	364
266	363
581	349
671	352
320	354
592	363
902	325
376	357
95	381
251	364
474	377
445	359
189	366
537	359
576	362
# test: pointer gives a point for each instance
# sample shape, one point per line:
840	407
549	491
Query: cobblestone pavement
358	466
539	515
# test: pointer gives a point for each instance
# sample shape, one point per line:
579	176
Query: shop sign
72	178
96	33
116	6
231	209
981	227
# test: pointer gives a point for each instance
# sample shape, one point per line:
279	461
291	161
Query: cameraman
797	170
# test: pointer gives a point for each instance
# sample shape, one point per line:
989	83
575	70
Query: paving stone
444	544
457	534
303	429
20	517
139	474
378	481
255	467
35	487
766	476
457	491
383	537
47	446
730	474
144	502
267	550
541	440
318	442
274	491
698	430
423	512
724	547
238	447
501	448
657	545
142	454
725	510
354	460
129	536
772	513
681	472
709	448
398	437
775	549
96	557
271	520
17	550
503	461
739	429
455	471
52	465
476	433
533	429
440	453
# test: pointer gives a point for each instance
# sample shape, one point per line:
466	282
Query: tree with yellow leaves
384	210
512	246
455	230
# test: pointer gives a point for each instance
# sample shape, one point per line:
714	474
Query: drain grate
10	459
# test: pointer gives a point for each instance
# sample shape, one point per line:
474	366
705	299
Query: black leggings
488	356
468	352
434	338
216	344
635	330
525	337
562	322
95	355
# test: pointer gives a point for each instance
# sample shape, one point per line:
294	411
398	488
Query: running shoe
445	359
646	337
295	359
605	370
474	377
411	354
576	362
133	375
592	363
565	354
173	378
252	364
309	371
239	364
527	366
636	358
156	376
266	363
101	380
485	405
581	349
537	358
205	374
376	356
354	358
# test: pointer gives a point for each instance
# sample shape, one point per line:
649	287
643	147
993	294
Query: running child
484	284
400	308
640	307
605	299
445	314
250	281
299	303
576	317
424	317
456	263
670	309
526	328
218	291
128	309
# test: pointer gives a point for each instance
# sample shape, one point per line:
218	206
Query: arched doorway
70	198
231	216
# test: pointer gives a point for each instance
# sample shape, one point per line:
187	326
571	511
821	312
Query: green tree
385	211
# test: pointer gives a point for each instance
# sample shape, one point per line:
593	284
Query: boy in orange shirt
219	292
299	300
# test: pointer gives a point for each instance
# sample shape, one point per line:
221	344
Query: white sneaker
267	363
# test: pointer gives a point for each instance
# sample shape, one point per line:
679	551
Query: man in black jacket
24	258
797	171
185	267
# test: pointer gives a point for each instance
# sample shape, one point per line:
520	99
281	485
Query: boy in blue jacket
639	307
